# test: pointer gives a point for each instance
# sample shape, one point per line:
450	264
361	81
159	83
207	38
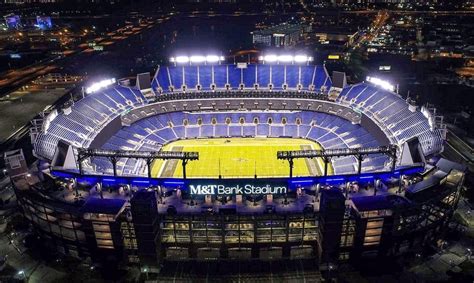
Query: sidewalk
34	271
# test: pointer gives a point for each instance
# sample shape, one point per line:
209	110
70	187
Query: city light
379	82
99	85
197	59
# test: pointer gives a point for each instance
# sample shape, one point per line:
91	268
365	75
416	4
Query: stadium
205	161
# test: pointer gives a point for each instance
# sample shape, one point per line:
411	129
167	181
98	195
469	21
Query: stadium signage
231	187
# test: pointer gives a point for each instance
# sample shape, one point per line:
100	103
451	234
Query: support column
100	189
149	161
184	162
394	161
326	162
291	162
74	183
80	159
360	158
114	165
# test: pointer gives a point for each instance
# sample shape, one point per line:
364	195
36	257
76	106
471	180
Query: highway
14	79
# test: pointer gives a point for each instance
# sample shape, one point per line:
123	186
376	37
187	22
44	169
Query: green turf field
239	157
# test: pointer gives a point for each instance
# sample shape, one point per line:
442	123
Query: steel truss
326	154
148	156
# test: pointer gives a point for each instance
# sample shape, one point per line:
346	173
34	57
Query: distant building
12	21
281	35
339	36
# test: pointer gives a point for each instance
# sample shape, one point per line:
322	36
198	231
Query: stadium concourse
283	162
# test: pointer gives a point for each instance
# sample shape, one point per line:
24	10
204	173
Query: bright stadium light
212	58
285	58
197	59
301	58
99	85
182	59
270	58
379	82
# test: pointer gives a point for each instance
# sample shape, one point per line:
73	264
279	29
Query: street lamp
22	274
330	267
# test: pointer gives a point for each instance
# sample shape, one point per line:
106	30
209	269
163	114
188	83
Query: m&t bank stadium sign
237	187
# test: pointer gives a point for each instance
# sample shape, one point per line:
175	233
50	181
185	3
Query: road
379	21
15	79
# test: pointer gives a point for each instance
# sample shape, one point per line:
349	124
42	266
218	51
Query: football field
239	158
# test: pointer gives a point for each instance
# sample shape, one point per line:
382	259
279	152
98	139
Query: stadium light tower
381	83
270	58
302	59
285	58
197	59
212	58
99	85
182	59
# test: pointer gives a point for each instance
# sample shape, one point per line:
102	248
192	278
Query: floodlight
285	58
270	58
382	83
182	59
197	59
99	85
301	58
212	58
